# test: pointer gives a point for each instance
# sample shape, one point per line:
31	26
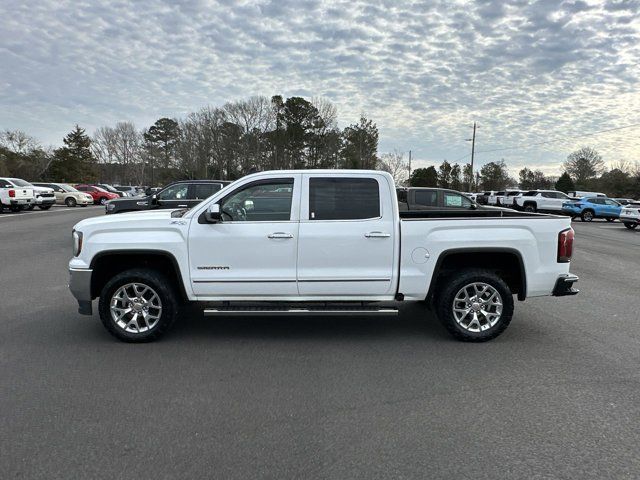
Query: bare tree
394	164
584	164
18	141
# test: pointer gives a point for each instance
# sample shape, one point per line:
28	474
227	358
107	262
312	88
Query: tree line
224	142
261	133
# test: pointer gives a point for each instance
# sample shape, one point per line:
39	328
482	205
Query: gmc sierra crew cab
316	242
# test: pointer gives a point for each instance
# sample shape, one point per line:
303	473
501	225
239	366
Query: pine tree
74	162
564	183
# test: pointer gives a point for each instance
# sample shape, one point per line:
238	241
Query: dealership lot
554	396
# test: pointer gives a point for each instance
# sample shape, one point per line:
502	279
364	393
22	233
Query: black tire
630	226
530	207
44	207
160	284
609	219
103	200
587	216
28	207
445	303
16	208
83	205
70	202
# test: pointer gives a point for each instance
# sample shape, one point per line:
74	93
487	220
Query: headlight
110	206
77	243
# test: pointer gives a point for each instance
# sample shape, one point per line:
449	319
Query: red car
100	195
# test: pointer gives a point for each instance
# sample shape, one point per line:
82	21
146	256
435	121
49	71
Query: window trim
307	184
262	181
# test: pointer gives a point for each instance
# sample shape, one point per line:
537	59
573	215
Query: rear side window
343	198
200	191
427	198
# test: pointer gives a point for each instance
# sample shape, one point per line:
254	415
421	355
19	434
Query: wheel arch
507	261
109	263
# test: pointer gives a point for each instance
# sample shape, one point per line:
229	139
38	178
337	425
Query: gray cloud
423	70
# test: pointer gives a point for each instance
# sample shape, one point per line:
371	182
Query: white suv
541	200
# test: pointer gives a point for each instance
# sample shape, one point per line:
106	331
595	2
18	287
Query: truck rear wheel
475	305
530	207
630	225
138	305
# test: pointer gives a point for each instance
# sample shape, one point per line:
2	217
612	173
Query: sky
537	77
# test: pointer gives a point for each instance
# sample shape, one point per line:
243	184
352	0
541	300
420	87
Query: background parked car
626	201
13	197
541	200
99	195
129	190
425	198
182	194
630	215
110	188
67	195
42	197
589	208
580	194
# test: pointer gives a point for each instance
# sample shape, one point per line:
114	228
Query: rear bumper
629	219
21	201
564	286
80	286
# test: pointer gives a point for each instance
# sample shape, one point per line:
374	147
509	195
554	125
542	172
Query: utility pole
409	165
473	150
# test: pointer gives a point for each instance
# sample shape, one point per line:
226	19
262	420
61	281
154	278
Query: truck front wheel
475	305
138	305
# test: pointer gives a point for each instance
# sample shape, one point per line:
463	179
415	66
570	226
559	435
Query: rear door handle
280	235
377	235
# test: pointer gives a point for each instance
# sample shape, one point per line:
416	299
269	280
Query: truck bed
480	213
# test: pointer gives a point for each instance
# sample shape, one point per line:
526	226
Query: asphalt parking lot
556	396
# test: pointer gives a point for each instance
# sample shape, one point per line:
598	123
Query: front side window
261	201
174	192
343	198
426	198
455	200
608	201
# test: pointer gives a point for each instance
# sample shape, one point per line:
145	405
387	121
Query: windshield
20	183
67	188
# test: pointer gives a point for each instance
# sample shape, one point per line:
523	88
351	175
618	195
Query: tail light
565	245
12	193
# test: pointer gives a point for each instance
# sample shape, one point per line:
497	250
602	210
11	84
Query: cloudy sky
423	70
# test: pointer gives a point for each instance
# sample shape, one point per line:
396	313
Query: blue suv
592	207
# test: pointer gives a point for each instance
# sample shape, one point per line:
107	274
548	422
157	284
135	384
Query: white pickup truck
317	242
13	197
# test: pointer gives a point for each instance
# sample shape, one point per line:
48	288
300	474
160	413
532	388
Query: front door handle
182	206
280	235
377	235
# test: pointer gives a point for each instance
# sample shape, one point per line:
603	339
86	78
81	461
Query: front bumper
45	201
574	212
564	286
80	286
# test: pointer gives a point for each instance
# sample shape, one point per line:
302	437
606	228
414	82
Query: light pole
473	149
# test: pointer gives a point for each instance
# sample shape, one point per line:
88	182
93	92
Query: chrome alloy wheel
135	307
477	307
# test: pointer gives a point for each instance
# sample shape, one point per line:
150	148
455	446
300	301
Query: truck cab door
251	253
347	243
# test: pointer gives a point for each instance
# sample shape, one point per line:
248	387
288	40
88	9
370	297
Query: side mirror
213	214
154	199
474	206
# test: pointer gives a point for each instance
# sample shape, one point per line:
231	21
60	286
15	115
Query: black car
182	194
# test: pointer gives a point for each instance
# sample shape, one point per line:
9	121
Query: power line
558	139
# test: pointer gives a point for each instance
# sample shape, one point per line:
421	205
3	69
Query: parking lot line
47	212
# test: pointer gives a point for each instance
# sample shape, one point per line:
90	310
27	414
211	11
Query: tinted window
530	193
343	198
427	198
200	191
266	200
174	192
608	201
455	200
82	189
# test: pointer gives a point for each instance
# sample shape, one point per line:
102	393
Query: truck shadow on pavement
413	321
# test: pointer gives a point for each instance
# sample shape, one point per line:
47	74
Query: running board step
318	312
